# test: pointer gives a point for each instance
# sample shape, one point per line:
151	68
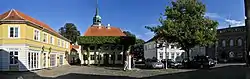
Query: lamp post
247	23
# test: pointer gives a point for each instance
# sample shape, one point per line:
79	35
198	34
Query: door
53	60
44	60
106	59
61	60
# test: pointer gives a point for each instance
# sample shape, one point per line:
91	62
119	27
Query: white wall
150	50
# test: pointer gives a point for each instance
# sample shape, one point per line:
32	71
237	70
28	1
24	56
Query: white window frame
55	59
31	64
61	63
45	38
13	54
38	37
52	41
58	42
14	26
62	43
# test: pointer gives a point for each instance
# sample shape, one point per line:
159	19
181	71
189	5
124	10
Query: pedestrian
125	65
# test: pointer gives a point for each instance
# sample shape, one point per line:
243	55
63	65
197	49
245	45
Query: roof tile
17	15
103	31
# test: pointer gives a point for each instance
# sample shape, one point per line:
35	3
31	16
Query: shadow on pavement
226	72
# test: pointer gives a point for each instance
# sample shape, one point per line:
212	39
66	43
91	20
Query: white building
168	51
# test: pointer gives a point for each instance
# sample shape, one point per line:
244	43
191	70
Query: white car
149	63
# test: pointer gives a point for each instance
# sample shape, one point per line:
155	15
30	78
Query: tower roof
14	15
97	18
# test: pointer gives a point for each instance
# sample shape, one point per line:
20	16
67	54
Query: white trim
8	14
38	37
14	26
17	13
47	41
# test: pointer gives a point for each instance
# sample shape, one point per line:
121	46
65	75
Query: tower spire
97	18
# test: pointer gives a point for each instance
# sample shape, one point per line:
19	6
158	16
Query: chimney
108	26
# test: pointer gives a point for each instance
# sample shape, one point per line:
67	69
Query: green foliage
83	40
138	41
70	32
185	23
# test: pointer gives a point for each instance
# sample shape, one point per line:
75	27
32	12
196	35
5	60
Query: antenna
229	23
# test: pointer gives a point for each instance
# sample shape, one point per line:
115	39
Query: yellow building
28	44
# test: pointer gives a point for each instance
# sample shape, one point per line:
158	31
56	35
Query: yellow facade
27	33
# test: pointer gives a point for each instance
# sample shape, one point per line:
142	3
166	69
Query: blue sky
131	15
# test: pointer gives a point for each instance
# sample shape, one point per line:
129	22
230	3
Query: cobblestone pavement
84	72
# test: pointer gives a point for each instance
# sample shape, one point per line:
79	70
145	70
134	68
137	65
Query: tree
185	23
70	32
138	41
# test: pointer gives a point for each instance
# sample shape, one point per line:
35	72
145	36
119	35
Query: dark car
172	64
202	62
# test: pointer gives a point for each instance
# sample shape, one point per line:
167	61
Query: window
145	47
177	54
161	55
14	32
45	37
92	57
67	46
85	57
231	42
172	55
52	59
112	57
51	40
36	35
172	46
92	47
167	55
113	47
13	57
58	42
223	43
239	42
99	57
62	43
119	57
119	47
33	60
44	59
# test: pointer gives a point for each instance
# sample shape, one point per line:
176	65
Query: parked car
151	63
202	62
172	64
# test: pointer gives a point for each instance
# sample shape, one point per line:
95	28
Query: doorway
106	59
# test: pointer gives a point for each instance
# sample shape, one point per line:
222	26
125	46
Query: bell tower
97	18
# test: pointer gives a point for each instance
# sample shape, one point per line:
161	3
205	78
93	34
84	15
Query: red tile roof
103	31
16	15
75	46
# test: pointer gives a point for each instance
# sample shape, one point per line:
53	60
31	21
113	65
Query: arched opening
74	58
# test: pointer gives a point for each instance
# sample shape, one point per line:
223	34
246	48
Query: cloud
136	34
235	22
213	15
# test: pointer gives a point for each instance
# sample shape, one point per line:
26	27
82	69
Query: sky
129	15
